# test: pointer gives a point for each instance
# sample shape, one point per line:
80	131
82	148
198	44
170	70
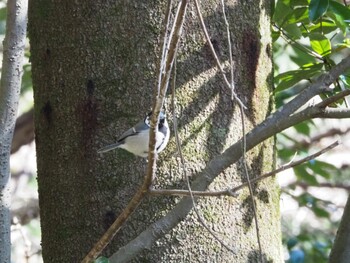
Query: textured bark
11	78
93	73
341	249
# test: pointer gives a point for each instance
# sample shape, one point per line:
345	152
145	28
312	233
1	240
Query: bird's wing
139	127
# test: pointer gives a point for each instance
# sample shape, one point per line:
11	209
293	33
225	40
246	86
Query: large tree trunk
94	75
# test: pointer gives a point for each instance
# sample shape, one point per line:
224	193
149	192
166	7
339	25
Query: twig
340	95
164	44
241	107
332	113
158	103
329	133
232	191
273	124
251	193
229	49
305	186
319	110
302	48
27	243
218	63
183	163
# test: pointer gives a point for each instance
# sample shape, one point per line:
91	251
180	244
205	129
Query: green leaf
275	35
340	14
282	10
3	12
292	242
286	154
302	174
306	200
323	27
324	169
101	260
345	79
303	127
26	78
290	78
317	8
299	3
320	44
293	31
320	212
342	11
299	14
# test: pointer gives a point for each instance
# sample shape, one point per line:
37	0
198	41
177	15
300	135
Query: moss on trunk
93	73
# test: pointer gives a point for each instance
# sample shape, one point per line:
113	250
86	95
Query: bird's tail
108	148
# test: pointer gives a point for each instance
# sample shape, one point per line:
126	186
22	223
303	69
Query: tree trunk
341	248
94	72
10	87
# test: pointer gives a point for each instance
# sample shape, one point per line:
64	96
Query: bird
136	139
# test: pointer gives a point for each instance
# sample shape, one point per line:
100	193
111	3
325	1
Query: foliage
315	34
101	260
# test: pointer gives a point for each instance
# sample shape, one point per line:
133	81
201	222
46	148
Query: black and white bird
136	139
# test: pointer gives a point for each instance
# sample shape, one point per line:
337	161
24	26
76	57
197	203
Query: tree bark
94	73
11	77
341	248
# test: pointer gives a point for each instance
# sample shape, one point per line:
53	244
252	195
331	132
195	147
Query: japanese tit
136	139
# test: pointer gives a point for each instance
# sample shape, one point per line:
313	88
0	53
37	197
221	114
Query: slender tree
94	66
11	77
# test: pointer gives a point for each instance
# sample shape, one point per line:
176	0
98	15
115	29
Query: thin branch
234	190
305	186
233	95
158	104
329	133
299	46
336	97
229	49
11	77
251	193
183	164
318	111
286	117
273	124
333	113
164	43
216	58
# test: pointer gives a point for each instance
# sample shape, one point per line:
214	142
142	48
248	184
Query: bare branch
251	193
217	60
233	191
229	49
158	104
334	113
165	224
340	95
272	125
11	77
305	186
183	164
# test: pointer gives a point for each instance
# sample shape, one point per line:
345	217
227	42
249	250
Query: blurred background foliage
309	37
